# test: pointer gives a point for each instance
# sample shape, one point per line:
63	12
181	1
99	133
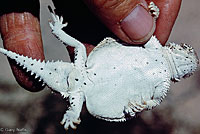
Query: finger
21	33
128	19
168	13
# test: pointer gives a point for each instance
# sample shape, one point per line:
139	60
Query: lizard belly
119	76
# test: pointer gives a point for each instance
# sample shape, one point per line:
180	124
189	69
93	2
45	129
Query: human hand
130	20
21	31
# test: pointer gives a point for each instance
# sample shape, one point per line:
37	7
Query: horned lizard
115	81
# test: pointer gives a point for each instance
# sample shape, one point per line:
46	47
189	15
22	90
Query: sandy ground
41	112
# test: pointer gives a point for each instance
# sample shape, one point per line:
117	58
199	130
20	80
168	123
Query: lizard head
183	60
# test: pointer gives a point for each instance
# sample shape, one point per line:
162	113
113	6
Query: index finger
168	13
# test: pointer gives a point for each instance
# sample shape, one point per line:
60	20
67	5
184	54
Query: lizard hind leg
80	50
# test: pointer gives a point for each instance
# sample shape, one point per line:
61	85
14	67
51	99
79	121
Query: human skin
21	31
168	13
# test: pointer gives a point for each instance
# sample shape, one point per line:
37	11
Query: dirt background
37	113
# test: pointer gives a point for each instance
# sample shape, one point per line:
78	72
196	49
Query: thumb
128	19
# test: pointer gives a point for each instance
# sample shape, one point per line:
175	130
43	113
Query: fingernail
139	25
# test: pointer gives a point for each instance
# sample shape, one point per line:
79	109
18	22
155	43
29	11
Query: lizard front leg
72	115
160	91
154	10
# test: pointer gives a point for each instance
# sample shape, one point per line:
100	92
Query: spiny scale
49	72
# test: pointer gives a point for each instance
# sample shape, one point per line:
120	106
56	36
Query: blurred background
40	113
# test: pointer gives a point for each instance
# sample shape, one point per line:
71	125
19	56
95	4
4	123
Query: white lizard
115	81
